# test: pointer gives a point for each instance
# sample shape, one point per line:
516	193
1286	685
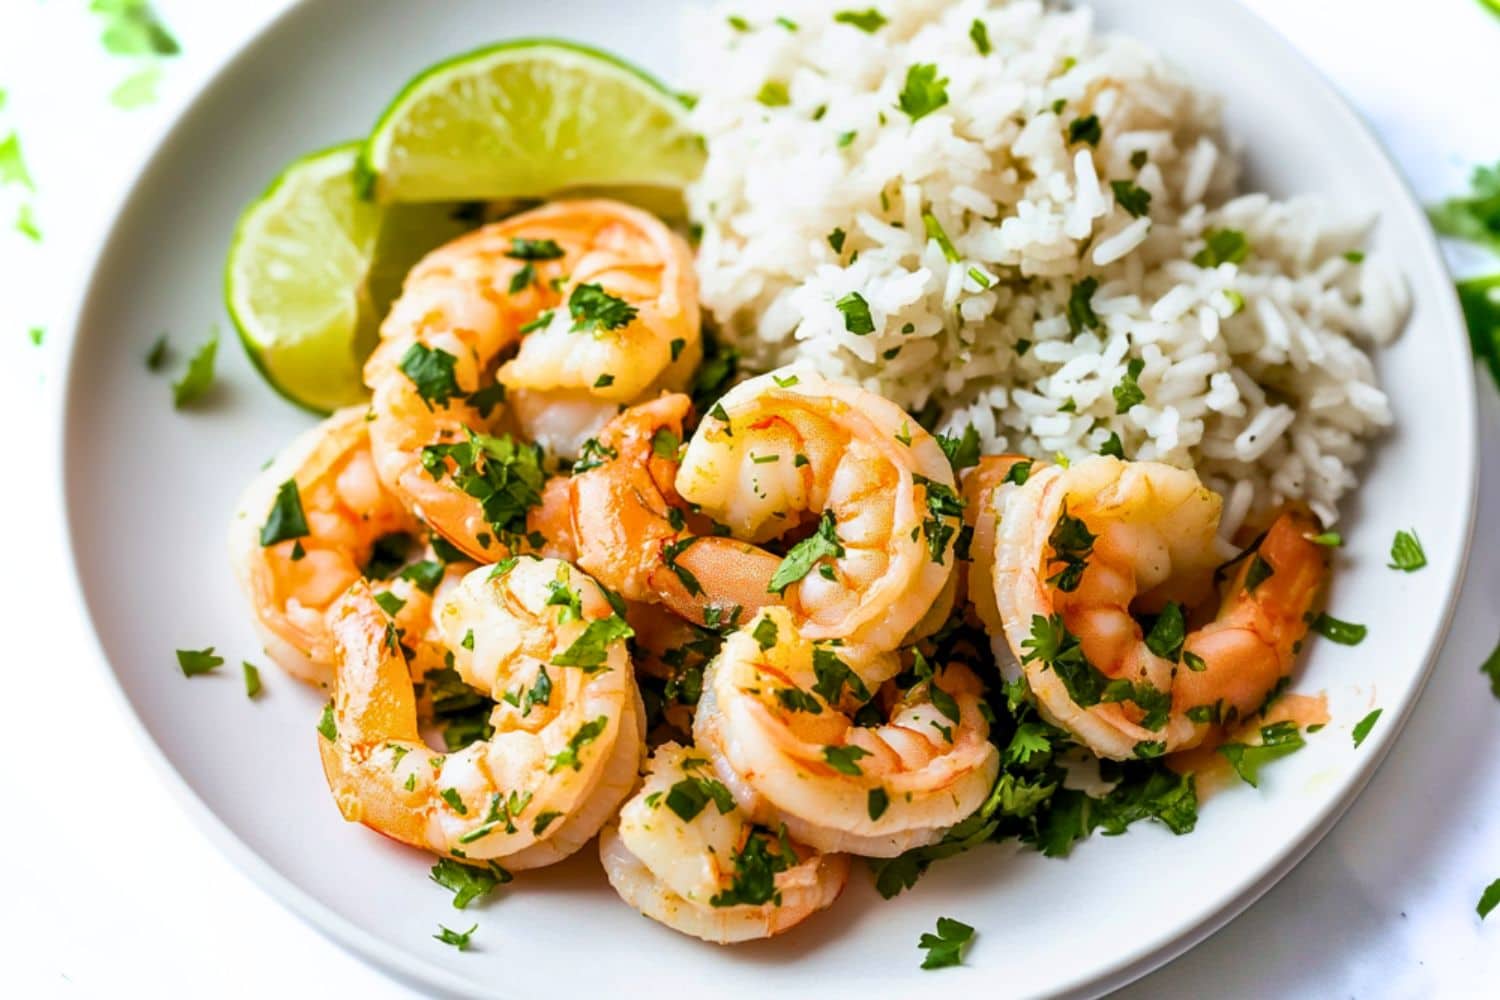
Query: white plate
148	493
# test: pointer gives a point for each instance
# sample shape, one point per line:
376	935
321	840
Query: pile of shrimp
531	513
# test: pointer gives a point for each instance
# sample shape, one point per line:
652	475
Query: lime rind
292	280
528	118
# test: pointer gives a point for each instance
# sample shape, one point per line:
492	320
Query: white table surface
107	888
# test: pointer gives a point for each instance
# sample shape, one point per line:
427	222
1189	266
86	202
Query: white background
107	888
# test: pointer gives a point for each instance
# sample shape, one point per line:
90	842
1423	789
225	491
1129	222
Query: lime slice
525	119
313	269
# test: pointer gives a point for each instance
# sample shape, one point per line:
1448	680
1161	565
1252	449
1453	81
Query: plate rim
412	970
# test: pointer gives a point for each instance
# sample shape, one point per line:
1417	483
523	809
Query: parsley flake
857	318
468	883
923	93
821	544
592	308
946	947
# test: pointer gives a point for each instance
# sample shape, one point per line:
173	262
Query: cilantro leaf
774	94
1491	668
198	661
765	633
1168	633
468	883
131	28
857	318
979	34
1080	310
1342	632
1132	197
755	868
594	309
1085	129
252	678
923	92
833	675
946	947
457	939
195	382
1128	393
1480	298
688	797
568	755
1489	899
1363	726
1276	741
591	648
522	248
845	759
869	20
286	519
1475	216
962	451
821	544
430	370
13	163
1222	246
1406	552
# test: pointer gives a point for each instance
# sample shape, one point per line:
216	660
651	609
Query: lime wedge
526	119
313	269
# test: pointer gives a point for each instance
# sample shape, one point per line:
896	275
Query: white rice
1254	373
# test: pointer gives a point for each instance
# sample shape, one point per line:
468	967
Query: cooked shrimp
640	539
775	720
542	639
791	450
292	582
612	273
1082	551
685	855
984	489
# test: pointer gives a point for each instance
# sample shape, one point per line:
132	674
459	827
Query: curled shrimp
984	488
791	451
599	296
684	854
347	512
543	640
775	718
635	533
1084	551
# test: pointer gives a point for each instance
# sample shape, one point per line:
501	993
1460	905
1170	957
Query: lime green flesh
527	119
313	270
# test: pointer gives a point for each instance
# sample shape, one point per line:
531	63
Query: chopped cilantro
1128	393
1113	446
844	759
665	444
1168	633
131	28
252	678
591	648
1276	741
504	475
1363	726
592	308
756	865
857	318
1257	573
457	939
1222	246
773	94
1019	472
765	633
1072	543
137	90
195	382
963	450
430	370
833	675
946	947
13	163
1081	315
522	248
568	755
1488	899
979	34
198	661
869	20
468	883
836	240
1406	552
688	797
1475	216
327	725
821	544
1131	197
1342	632
923	93
286	520
1085	130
